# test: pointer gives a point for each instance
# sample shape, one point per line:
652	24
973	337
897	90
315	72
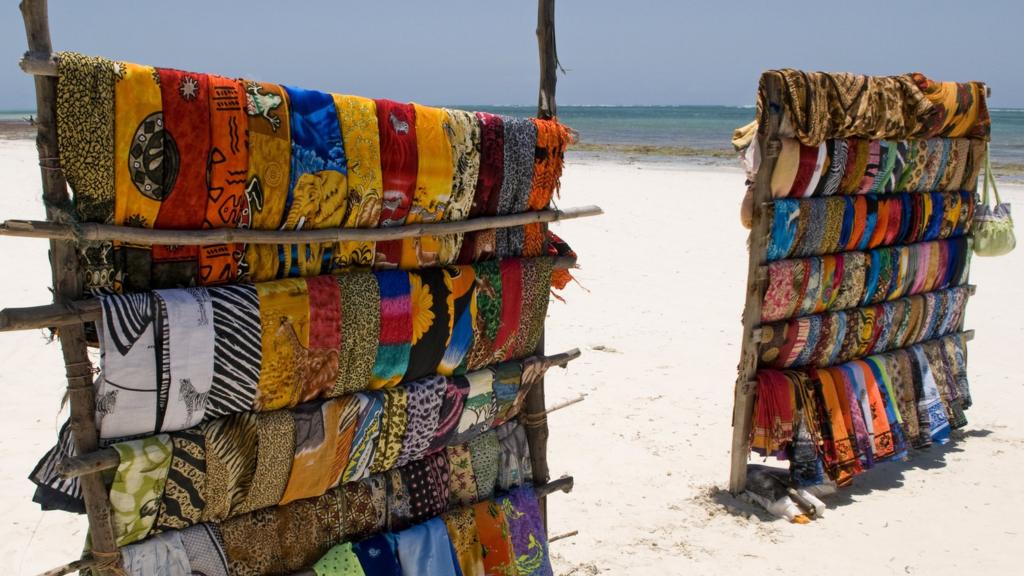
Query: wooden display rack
769	147
71	309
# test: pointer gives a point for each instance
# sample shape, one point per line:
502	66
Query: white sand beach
658	322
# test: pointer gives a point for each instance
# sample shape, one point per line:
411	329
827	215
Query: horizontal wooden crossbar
56	315
92	231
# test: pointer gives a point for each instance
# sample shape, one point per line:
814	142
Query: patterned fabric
520	143
801	227
135	494
432	326
205	550
484	453
318	187
399	162
395	329
183	495
359	130
862	412
822	105
495	538
232	445
360	307
422	412
942	165
529	538
163	555
174	358
269	176
276	435
813	285
463	130
461	524
340	560
433	186
514	465
378	555
205	151
323	442
461	480
85	133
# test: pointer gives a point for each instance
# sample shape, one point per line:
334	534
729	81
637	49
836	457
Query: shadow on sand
884	476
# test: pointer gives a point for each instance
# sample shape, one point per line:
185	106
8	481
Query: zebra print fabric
237	350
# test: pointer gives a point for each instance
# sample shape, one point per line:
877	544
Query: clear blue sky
484	51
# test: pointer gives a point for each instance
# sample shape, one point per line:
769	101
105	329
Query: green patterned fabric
139	486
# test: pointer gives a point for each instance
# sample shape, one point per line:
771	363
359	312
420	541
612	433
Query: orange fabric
495	539
229	166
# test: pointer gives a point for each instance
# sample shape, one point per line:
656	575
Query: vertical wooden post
67	286
548	59
534	405
768	143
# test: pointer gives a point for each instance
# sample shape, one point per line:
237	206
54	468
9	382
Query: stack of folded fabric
861	354
350	407
169	149
497	535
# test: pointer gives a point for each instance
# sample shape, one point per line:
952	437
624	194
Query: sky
642	52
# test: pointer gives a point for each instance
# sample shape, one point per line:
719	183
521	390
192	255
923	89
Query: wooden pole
92	231
67	287
769	145
534	418
77	312
546	107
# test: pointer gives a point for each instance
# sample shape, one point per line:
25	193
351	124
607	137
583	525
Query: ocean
701	132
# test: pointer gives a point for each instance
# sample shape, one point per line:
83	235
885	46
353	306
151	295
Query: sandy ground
659	326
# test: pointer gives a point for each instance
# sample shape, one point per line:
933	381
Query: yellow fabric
136	97
358	119
284	324
433	186
269	170
318	202
463	130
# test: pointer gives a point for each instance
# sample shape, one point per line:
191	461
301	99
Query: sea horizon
667	132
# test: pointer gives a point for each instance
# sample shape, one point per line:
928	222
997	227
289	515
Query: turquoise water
698	127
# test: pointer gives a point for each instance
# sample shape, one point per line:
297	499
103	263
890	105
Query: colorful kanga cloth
811	226
942	164
821	105
529	540
257	155
495	538
813	340
462	531
174	358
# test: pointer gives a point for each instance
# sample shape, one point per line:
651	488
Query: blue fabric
874	268
378	555
426	550
784	228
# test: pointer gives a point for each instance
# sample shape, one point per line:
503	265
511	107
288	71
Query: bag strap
989	177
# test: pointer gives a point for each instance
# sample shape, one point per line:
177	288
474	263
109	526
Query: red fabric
324	313
805	170
229	166
399	163
186	105
511	303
